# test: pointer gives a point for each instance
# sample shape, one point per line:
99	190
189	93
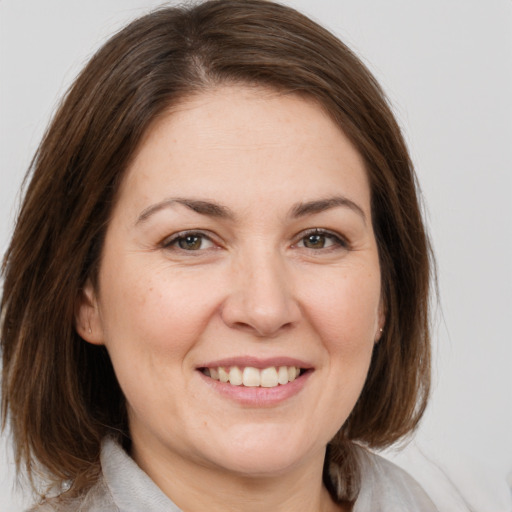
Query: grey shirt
124	487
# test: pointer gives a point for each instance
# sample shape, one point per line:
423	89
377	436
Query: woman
219	276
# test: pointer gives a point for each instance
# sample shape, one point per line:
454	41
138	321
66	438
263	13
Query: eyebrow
213	209
321	205
203	207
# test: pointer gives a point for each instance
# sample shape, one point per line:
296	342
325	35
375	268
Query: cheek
346	315
149	314
347	311
151	325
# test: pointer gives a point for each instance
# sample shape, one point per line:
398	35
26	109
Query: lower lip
258	396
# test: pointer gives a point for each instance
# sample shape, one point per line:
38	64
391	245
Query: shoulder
122	486
387	487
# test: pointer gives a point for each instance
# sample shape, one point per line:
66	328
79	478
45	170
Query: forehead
235	142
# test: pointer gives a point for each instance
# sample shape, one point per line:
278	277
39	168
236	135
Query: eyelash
173	241
338	242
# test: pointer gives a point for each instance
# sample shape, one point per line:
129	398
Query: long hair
60	394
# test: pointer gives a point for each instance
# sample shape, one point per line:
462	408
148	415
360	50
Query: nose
261	299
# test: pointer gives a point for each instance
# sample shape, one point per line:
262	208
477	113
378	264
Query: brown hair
59	393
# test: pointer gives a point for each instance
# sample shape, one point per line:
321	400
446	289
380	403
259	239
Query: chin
266	454
261	463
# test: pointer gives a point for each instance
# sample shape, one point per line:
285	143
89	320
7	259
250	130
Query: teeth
251	377
282	375
235	376
254	377
269	378
223	375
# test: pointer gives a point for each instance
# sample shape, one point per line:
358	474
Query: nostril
264	307
262	331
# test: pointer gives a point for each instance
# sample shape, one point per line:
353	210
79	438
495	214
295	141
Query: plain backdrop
446	66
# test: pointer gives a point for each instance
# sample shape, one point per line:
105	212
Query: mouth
249	376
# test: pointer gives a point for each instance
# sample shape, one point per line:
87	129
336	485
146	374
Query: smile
249	376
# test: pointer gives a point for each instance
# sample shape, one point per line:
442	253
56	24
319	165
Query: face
239	286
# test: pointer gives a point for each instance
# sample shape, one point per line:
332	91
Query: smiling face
239	287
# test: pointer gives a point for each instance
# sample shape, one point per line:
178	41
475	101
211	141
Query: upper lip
256	362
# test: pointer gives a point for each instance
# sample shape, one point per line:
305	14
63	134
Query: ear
87	315
381	320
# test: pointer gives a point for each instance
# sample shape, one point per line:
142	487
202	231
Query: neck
194	487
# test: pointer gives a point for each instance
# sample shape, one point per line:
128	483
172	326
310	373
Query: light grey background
447	68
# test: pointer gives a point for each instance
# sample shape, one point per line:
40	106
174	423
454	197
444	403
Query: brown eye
190	242
319	239
314	241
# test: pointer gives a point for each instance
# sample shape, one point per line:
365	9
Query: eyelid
341	241
168	241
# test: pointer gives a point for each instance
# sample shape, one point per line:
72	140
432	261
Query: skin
253	283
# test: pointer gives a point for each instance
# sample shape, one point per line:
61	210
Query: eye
188	241
320	239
